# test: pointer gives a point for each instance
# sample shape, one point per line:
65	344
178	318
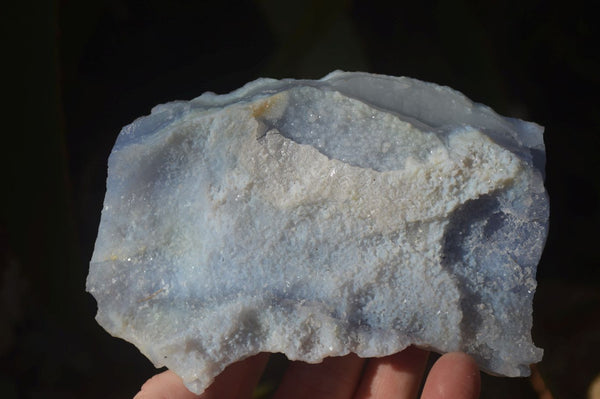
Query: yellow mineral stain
258	110
151	295
271	107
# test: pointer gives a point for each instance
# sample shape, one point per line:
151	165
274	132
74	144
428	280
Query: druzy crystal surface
357	213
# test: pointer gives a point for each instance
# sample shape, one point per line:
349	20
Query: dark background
77	71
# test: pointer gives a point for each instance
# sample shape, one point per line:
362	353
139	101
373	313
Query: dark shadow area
458	238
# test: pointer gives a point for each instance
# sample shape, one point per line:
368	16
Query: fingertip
166	385
395	376
462	361
236	381
455	375
334	377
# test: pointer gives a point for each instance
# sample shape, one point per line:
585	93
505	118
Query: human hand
454	375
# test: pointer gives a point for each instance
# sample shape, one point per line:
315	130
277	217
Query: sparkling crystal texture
357	213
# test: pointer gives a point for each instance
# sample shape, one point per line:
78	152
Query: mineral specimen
357	213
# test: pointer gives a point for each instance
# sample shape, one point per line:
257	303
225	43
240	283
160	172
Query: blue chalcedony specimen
357	213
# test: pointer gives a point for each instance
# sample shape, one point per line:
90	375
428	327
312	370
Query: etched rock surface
357	213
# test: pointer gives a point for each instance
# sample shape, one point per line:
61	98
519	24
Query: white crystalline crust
358	213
